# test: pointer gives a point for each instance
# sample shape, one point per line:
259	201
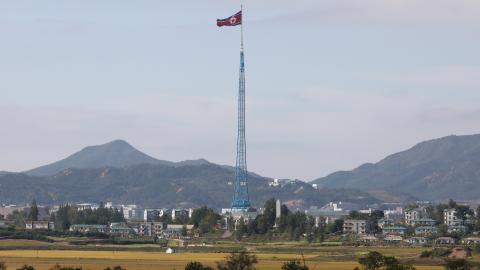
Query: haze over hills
118	172
116	153
161	186
438	169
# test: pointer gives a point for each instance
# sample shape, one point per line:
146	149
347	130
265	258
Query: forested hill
438	169
161	186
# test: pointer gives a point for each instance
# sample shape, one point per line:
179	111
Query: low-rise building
326	214
86	206
120	228
151	228
393	239
416	240
175	230
423	222
6	210
40	225
385	222
445	241
425	230
84	228
354	226
457	229
471	241
369	239
395	230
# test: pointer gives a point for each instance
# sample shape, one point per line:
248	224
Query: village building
445	241
416	240
450	218
423	222
40	225
84	228
425	230
395	230
354	226
471	241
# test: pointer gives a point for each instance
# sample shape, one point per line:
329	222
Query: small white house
170	251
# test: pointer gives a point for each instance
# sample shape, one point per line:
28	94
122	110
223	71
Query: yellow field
98	260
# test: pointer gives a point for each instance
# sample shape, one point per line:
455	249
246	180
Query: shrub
26	267
238	261
457	264
294	265
197	266
59	267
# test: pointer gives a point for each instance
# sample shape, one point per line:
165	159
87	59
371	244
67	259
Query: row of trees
204	219
291	225
68	215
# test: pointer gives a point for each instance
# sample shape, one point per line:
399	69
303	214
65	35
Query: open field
44	255
97	260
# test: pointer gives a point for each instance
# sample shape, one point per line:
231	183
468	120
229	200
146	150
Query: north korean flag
231	21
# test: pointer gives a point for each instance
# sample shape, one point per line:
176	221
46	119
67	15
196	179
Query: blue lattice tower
240	196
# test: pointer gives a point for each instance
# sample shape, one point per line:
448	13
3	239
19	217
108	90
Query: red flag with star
231	21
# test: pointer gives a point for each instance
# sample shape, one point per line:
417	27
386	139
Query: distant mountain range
118	172
438	169
116	154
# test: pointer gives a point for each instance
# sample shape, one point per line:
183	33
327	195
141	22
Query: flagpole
241	30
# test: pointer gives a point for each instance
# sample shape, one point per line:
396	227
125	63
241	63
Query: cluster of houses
413	227
137	228
139	221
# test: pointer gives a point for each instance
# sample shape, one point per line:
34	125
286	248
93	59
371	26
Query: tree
59	267
33	214
462	212
238	261
458	264
452	203
391	263
118	267
204	219
26	267
197	266
336	226
373	261
294	265
184	231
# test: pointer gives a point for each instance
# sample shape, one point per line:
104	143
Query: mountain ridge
438	169
117	153
157	185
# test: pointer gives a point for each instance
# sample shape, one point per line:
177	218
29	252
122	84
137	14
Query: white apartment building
449	217
412	214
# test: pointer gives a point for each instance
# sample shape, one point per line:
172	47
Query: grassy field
97	260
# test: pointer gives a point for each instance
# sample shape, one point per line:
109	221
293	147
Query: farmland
44	255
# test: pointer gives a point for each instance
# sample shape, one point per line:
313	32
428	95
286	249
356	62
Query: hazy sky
330	84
